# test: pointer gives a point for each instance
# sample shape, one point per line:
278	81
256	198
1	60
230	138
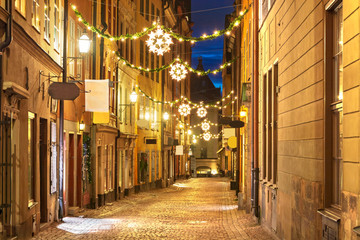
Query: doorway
79	167
43	171
71	170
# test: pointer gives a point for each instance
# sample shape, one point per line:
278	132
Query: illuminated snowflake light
201	112
178	72
159	42
184	109
205	125
207	136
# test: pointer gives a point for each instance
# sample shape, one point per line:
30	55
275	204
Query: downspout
255	114
118	134
3	46
162	105
237	110
61	116
93	202
117	120
103	22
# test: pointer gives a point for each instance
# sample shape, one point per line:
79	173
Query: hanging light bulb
201	112
205	125
207	136
184	109
159	42
178	71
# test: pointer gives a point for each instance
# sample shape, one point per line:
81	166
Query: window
147	62
31	156
109	6
152	13
47	20
114	19
142	107
35	14
147	10
20	5
157	65
127	46
142	7
79	62
56	25
127	109
71	46
152	66
264	126
336	105
142	55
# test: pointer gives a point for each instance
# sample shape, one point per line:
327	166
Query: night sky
206	23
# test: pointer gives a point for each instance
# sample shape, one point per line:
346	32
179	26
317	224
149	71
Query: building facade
99	158
307	111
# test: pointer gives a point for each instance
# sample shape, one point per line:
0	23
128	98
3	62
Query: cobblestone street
200	208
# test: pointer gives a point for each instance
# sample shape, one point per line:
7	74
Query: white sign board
179	150
229	132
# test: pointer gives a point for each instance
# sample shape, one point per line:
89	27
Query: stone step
73	210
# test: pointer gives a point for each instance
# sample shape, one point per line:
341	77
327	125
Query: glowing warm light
241	13
82	126
242	114
201	112
184	109
178	72
214	172
159	42
207	136
194	140
205	125
166	116
84	43
133	96
147	116
189	132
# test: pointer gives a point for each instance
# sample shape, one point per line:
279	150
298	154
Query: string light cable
194	105
146	30
177	60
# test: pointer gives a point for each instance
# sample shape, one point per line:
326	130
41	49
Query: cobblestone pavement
200	208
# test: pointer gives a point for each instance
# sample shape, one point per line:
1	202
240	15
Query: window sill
32	204
330	213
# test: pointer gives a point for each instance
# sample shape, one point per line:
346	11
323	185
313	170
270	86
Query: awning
220	150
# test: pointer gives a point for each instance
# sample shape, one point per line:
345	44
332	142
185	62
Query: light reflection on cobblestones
202	208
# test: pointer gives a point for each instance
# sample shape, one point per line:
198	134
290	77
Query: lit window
35	14
20	6
56	25
47	20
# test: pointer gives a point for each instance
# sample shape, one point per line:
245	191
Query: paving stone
199	208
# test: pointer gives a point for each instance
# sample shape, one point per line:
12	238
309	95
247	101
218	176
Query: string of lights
185	99
177	60
146	30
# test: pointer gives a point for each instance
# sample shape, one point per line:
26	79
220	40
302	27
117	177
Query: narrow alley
200	208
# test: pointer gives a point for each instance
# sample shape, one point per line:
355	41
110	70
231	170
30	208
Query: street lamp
166	116
84	43
82	126
133	96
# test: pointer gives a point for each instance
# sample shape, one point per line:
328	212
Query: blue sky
206	23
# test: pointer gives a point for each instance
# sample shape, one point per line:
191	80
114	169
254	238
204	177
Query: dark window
147	10
142	7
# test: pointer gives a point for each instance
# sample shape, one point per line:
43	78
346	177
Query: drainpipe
3	46
61	116
117	120
93	201
162	105
255	114
103	22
